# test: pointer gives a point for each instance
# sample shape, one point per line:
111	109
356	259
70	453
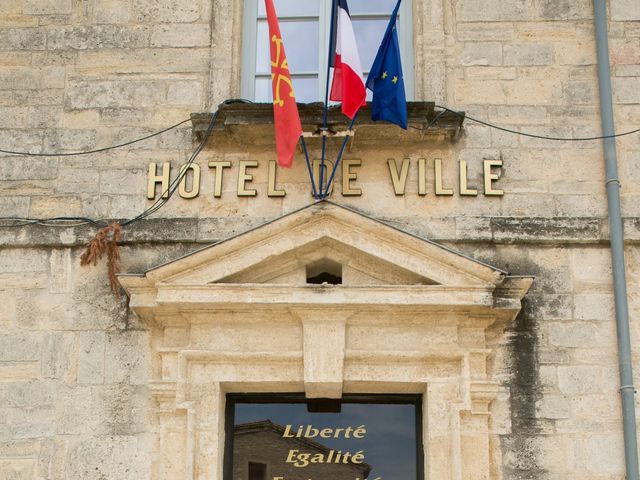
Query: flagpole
306	156
344	144
326	96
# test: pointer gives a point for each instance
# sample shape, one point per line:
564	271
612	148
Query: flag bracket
326	132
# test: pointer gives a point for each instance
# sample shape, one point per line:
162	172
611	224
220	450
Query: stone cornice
245	122
553	231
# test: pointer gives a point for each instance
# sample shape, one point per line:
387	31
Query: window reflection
364	440
292	8
368	37
305	89
371	6
302	56
300	24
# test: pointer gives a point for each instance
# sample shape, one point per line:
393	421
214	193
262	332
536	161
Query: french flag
348	85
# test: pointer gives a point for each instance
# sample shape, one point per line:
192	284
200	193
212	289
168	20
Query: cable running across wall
524	134
444	109
80	221
66	222
98	150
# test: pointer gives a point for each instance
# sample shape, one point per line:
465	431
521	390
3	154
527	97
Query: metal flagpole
326	95
344	143
306	156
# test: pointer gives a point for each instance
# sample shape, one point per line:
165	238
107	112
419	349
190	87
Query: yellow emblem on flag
279	77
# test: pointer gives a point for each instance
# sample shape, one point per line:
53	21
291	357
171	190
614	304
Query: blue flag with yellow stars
385	79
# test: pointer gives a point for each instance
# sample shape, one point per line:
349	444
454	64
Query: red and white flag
348	84
285	110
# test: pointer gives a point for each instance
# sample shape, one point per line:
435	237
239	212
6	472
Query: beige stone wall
75	75
80	75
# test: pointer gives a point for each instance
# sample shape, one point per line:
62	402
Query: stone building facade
493	300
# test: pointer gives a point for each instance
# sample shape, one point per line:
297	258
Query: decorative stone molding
410	316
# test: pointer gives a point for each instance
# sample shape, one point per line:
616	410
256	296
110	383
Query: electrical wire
173	186
98	150
66	222
61	222
16	222
524	134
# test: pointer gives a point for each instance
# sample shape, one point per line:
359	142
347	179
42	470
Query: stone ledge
499	230
244	123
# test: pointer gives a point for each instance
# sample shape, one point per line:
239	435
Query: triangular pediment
371	251
289	262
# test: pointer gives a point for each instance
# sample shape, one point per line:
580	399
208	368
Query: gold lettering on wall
191	176
348	176
422	176
162	179
272	191
490	177
219	169
464	184
328	167
440	189
244	177
195	181
399	179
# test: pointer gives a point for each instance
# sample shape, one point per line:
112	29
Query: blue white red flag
348	85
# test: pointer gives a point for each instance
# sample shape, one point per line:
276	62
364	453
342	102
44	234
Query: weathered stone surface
47	7
147	61
97	37
117	457
113	94
26	168
528	54
127	357
22	39
27	394
58	355
186	35
20	348
31	422
491	10
565	9
111	12
14	207
625	10
153	11
554	407
594	307
18	78
579	92
574	380
549	229
69	140
91	357
481	53
626	90
101	410
185	93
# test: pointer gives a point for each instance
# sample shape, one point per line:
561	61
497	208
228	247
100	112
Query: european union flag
385	79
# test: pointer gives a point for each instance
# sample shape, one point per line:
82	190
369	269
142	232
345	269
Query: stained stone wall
76	75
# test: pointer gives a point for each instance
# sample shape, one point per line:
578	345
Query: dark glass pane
371	6
292	8
363	440
302	56
257	471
